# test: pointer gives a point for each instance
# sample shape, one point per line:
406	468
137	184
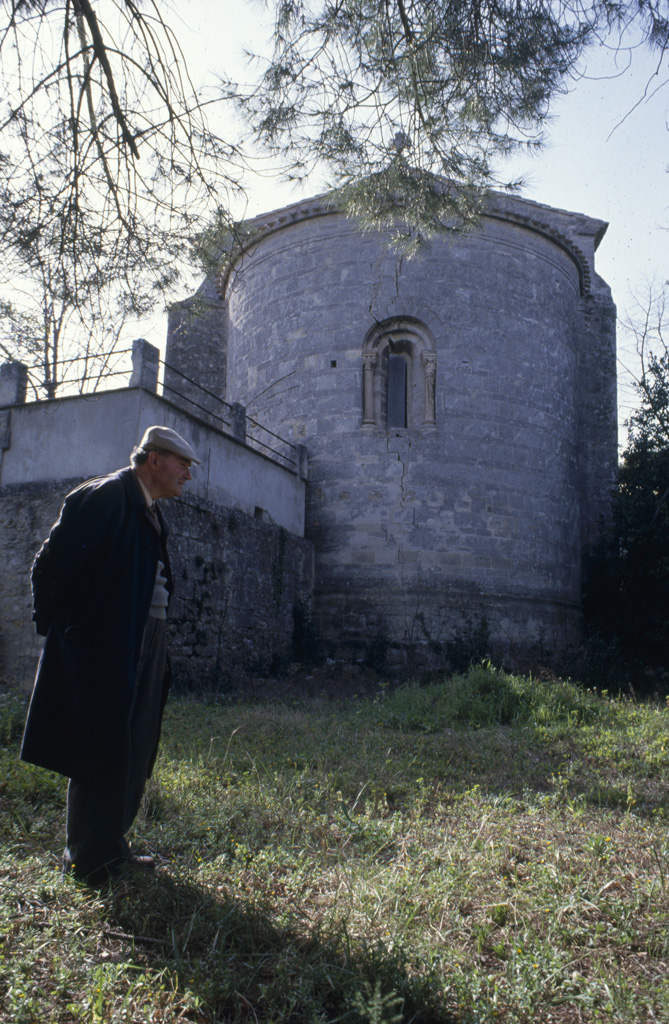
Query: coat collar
137	499
135	494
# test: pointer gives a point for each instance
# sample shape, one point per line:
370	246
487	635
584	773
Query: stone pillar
196	346
429	360
5	429
368	364
238	422
13	383
145	362
302	461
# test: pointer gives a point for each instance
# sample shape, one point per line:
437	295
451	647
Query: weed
377	1008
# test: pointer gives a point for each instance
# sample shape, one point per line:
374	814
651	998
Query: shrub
486	696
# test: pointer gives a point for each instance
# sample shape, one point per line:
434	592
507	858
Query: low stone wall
238	581
26	514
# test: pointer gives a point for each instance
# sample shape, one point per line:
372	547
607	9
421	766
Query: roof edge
575	233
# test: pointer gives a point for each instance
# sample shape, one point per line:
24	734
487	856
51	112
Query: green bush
486	696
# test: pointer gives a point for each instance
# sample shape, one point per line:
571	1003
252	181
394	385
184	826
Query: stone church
458	411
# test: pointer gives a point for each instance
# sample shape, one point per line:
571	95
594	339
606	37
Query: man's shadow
241	963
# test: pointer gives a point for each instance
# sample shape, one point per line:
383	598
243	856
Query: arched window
396	391
399	372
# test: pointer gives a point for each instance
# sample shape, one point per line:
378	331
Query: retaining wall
238	582
85	436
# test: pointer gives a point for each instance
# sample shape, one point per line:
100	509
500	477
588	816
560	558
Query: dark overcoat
93	581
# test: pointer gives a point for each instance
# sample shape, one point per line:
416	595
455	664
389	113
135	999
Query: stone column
302	461
368	364
13	383
145	362
429	360
238	414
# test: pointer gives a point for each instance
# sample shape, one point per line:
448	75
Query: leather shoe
106	872
139	860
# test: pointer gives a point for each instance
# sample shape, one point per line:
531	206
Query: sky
606	153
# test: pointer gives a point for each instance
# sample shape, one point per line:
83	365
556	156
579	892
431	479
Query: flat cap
168	440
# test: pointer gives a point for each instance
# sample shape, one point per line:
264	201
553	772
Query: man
101	585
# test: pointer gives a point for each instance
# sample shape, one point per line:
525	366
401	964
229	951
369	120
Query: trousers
101	810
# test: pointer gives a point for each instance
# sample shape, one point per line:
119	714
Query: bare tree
107	166
628	599
648	325
64	345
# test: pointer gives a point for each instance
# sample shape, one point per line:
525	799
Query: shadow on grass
233	961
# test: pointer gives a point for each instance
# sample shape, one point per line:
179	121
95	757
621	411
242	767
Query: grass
487	848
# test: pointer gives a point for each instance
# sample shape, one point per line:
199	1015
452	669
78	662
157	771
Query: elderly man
101	587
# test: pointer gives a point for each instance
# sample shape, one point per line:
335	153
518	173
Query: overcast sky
607	152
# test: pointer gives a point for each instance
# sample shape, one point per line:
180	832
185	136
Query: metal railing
229	419
64	378
141	366
208	405
287	455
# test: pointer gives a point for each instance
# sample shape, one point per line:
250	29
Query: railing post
238	422
13	383
145	362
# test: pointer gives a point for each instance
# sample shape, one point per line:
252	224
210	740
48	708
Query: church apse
459	458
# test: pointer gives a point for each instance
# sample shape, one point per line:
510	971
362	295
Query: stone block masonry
238	581
475	492
27	512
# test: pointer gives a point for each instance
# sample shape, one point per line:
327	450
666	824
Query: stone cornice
524	213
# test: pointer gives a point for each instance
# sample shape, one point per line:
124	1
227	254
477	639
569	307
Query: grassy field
488	848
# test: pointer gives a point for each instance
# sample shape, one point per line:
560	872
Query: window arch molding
410	339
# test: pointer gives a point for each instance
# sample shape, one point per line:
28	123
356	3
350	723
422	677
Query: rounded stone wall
440	400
